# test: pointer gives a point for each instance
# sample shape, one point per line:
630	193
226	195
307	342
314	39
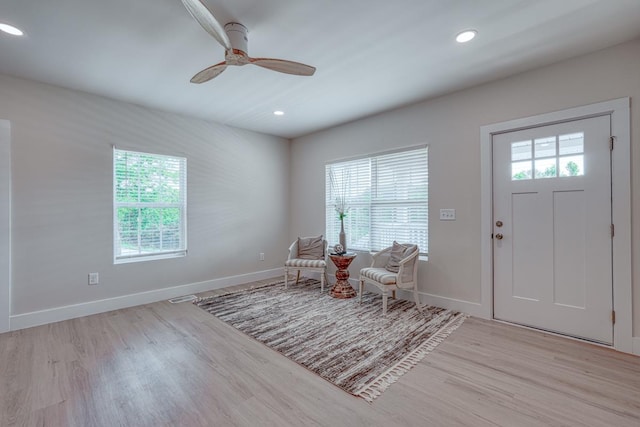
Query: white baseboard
636	346
42	317
471	308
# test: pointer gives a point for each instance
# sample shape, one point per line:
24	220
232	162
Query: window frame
372	202
181	205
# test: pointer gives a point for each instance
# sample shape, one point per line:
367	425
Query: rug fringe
391	375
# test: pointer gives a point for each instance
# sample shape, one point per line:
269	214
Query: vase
343	237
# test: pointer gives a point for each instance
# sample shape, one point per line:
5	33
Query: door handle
499	236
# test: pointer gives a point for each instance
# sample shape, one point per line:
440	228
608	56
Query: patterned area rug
347	343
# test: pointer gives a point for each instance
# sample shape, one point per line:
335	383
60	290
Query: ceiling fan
233	37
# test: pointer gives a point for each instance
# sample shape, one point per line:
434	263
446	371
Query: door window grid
549	157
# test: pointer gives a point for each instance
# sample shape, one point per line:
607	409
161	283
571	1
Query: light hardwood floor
167	364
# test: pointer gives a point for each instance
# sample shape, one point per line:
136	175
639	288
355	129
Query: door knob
499	236
498	223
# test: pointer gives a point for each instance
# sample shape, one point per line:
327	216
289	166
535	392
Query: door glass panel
572	165
571	144
520	170
553	156
546	168
545	147
520	150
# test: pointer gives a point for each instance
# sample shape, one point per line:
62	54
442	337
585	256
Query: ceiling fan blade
205	18
209	73
288	67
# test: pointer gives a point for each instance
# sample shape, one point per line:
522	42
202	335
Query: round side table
342	289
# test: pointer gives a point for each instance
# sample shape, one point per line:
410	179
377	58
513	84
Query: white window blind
149	206
387	200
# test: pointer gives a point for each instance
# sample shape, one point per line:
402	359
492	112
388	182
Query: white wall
238	185
451	126
5	225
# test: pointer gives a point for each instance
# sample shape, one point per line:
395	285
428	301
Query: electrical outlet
447	214
93	278
261	256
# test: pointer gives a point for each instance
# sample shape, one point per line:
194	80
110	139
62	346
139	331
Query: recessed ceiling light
466	36
10	29
278	113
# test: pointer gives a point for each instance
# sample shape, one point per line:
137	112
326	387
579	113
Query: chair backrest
409	269
294	249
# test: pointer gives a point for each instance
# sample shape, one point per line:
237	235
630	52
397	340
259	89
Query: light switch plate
447	214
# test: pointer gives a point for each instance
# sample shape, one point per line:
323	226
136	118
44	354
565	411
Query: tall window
386	198
149	206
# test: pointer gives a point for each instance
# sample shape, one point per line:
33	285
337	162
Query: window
549	157
386	197
149	209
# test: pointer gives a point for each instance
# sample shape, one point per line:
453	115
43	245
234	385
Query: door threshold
557	334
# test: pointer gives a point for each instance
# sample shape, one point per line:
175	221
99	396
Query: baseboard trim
636	346
470	308
43	317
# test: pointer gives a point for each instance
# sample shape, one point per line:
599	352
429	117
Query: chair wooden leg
385	295
361	290
393	294
298	278
321	283
286	277
416	297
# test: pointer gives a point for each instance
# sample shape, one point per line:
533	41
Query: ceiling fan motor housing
238	36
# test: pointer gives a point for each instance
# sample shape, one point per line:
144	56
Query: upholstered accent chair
395	267
307	254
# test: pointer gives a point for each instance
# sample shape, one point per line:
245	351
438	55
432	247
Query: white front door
552	228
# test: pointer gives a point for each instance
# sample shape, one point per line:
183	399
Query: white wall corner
5	225
636	346
58	314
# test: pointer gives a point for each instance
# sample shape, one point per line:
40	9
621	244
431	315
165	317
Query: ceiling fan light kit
233	37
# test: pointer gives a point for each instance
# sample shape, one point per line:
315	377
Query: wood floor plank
168	364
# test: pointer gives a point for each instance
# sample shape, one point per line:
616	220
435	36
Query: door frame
619	110
5	225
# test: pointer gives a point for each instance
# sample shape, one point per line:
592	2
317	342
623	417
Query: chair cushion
311	247
380	275
398	253
305	263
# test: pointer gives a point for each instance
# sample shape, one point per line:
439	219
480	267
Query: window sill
149	258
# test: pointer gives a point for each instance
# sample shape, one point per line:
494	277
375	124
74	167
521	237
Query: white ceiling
371	55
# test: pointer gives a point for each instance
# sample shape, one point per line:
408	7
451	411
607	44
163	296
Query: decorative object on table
395	267
307	254
342	236
340	204
332	337
342	288
339	249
